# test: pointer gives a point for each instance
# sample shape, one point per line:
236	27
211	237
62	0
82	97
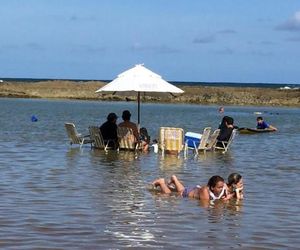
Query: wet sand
58	89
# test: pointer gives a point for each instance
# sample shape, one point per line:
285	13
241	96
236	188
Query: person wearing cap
109	130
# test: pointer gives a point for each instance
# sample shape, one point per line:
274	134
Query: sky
254	41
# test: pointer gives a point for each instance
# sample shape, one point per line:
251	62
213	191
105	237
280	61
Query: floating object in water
34	118
257	113
155	148
254	130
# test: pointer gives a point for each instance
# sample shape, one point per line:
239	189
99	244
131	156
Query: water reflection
220	210
170	162
65	197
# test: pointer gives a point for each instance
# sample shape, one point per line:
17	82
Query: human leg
178	185
162	184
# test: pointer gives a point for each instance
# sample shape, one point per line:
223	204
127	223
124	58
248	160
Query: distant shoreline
196	94
179	83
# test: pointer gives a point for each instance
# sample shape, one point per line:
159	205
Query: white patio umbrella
139	80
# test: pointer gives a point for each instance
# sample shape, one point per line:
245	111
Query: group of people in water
226	127
110	127
216	188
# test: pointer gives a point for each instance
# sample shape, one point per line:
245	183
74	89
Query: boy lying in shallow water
216	188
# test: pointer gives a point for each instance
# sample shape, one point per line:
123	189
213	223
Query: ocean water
54	196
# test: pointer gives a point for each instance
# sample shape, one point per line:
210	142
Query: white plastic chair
127	139
75	137
226	144
202	143
97	138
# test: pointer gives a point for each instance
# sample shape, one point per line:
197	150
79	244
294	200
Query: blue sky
192	40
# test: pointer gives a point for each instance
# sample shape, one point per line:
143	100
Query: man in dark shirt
109	130
225	130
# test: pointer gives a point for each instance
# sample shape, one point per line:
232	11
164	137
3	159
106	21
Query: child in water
215	189
236	186
261	124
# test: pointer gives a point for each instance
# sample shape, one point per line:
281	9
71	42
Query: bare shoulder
204	193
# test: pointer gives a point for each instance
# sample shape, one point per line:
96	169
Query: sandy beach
58	89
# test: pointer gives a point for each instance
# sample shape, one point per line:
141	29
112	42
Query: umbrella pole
139	108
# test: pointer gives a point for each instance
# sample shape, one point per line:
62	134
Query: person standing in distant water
221	110
109	130
261	124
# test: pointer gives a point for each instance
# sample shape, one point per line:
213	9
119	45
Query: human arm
239	194
272	127
135	132
228	195
239	191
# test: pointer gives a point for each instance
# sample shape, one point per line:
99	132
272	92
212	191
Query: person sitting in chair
226	129
139	138
128	124
109	130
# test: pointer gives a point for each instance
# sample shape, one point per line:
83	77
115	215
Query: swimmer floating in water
216	188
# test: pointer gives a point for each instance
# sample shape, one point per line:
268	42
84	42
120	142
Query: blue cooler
192	139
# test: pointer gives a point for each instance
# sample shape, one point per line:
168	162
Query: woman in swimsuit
215	189
235	186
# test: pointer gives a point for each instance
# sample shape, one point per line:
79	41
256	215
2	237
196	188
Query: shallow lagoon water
54	196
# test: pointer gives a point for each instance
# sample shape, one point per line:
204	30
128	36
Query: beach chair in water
204	139
75	137
212	140
171	140
226	144
127	139
97	139
197	142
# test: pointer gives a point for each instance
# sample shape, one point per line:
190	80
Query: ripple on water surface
60	197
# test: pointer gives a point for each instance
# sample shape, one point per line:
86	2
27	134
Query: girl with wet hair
216	188
235	185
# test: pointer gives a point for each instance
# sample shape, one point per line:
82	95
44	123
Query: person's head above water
235	179
259	119
216	184
221	109
229	120
112	117
126	115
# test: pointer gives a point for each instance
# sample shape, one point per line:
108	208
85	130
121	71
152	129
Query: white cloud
293	24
